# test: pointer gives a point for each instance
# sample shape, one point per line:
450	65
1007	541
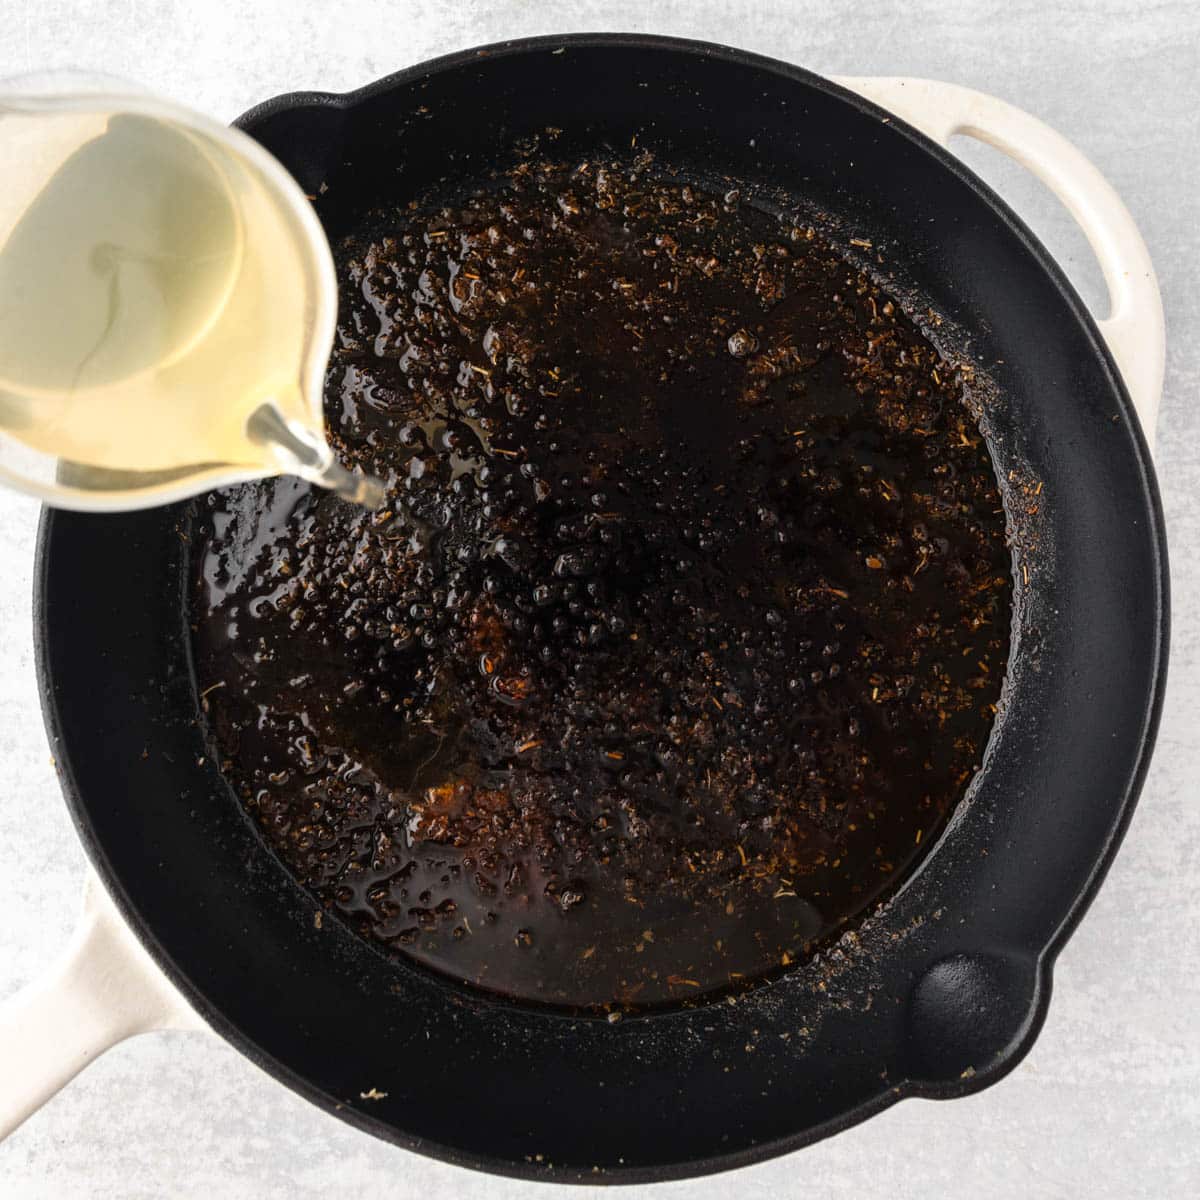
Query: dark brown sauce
683	630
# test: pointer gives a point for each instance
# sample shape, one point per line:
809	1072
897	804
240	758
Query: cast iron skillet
943	991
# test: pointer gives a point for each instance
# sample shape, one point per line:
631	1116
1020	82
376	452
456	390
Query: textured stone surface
1108	1103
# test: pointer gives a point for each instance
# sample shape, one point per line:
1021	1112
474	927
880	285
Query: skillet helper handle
103	988
1134	329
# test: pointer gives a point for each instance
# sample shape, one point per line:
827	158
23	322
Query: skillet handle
1134	329
103	988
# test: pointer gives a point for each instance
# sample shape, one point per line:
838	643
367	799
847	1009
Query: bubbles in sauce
681	632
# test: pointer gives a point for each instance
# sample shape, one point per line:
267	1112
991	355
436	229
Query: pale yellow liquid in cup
154	293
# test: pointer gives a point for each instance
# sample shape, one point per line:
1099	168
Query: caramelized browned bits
685	627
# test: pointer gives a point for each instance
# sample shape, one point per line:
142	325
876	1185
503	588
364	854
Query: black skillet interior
944	990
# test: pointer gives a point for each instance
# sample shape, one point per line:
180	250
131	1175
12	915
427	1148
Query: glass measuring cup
167	303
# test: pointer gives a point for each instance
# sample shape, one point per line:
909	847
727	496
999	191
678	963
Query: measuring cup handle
1134	329
103	988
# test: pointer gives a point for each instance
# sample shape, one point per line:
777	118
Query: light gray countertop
1107	1105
